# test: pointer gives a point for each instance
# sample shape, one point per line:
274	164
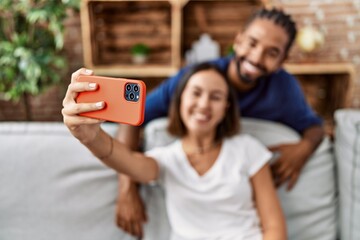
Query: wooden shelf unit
111	27
220	19
327	87
168	27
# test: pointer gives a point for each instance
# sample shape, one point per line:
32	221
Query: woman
217	182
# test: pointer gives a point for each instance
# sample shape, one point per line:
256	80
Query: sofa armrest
347	150
52	187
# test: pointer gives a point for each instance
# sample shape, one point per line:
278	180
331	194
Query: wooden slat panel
125	70
327	87
123	28
115	57
128	41
223	19
152	15
118	25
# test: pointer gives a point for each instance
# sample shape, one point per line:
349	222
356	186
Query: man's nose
257	55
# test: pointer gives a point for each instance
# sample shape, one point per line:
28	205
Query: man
265	91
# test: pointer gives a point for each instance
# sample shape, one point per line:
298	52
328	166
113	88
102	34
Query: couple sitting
218	183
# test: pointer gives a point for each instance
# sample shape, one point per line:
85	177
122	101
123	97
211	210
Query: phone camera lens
128	87
136	88
131	96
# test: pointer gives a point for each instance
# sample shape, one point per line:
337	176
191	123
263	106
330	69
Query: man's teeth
250	68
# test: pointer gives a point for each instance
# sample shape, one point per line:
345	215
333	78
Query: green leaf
7	60
30	58
140	48
37	15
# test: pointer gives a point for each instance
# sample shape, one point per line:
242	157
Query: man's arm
293	157
296	113
130	210
313	136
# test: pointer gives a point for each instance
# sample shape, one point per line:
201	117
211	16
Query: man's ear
285	57
283	60
237	40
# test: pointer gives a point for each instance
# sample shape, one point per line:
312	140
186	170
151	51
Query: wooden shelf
327	87
168	27
147	70
320	68
340	75
219	19
111	27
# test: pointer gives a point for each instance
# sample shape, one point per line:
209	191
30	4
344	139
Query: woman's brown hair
228	127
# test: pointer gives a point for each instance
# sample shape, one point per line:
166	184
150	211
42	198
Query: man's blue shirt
276	98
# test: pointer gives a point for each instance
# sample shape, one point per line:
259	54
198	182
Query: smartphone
124	99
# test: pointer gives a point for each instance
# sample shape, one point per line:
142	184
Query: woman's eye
196	93
216	98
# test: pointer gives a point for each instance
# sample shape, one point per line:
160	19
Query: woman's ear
228	105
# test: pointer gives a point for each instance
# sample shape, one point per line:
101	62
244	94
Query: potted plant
31	43
140	52
229	50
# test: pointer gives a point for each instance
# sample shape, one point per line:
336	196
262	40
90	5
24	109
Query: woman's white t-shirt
219	204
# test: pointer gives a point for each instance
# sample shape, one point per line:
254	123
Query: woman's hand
83	128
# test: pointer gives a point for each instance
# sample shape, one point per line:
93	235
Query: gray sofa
51	187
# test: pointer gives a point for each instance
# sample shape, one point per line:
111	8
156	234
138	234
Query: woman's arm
119	157
87	130
268	205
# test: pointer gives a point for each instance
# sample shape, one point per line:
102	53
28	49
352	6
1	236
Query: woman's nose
203	101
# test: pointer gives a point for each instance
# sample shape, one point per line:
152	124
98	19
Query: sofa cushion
52	187
310	208
347	150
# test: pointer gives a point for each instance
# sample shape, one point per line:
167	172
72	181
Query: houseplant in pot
31	43
140	53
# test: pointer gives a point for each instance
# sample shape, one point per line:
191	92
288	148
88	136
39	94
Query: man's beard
245	78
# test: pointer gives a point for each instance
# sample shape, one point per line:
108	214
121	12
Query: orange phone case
117	107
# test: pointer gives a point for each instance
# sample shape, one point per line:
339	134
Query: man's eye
273	54
252	43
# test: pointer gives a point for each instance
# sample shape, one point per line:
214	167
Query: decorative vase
139	58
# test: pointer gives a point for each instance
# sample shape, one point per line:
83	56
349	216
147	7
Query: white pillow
347	150
310	208
52	187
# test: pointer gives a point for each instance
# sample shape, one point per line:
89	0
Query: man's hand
130	212
290	163
293	157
